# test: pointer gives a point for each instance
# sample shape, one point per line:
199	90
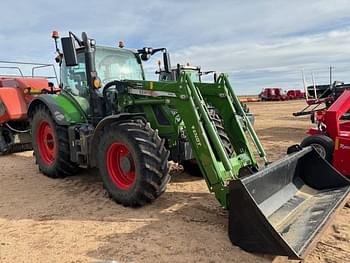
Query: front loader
108	116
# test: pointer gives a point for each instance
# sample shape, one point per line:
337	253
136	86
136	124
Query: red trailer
295	94
272	94
331	137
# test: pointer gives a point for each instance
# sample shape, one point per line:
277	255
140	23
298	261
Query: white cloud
277	62
259	43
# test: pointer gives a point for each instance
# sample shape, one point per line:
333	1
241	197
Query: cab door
74	81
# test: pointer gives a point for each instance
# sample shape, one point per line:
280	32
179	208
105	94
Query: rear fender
106	122
314	131
63	111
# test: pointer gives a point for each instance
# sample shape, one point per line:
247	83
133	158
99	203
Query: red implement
16	93
331	137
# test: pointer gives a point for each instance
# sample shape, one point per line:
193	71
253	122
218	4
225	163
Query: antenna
305	84
314	83
55	35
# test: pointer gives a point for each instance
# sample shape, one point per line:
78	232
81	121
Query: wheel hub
121	166
45	139
320	149
125	164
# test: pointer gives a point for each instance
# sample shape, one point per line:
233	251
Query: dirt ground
72	220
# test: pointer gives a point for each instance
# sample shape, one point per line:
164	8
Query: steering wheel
108	80
120	87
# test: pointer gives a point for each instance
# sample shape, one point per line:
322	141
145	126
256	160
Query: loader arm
191	100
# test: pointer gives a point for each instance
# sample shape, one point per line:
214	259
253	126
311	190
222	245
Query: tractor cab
88	71
194	72
111	64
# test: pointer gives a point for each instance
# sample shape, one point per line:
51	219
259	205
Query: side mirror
145	56
166	61
69	51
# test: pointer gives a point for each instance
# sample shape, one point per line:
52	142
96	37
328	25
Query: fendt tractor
196	75
108	116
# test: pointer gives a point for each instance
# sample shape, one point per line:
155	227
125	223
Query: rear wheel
322	144
51	145
133	163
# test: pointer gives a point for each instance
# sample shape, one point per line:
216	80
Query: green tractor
108	116
174	74
196	74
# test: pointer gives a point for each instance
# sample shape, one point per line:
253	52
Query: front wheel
133	163
322	144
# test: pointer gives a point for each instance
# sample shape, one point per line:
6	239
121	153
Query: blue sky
258	43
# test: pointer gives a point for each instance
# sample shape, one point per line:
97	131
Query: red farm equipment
272	94
295	94
16	92
320	97
331	137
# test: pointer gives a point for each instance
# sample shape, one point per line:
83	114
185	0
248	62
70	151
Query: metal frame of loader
278	210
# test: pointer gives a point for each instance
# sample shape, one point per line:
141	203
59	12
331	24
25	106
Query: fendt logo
198	141
344	147
59	116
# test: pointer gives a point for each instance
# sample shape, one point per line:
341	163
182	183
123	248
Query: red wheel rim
121	165
45	140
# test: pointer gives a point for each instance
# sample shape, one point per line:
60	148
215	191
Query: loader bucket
282	209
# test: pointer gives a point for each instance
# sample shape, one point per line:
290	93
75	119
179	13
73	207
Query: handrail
19	70
34	67
24	63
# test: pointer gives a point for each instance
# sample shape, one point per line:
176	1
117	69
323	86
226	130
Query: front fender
62	109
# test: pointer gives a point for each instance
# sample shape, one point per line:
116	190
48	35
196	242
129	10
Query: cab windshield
111	64
194	75
117	64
